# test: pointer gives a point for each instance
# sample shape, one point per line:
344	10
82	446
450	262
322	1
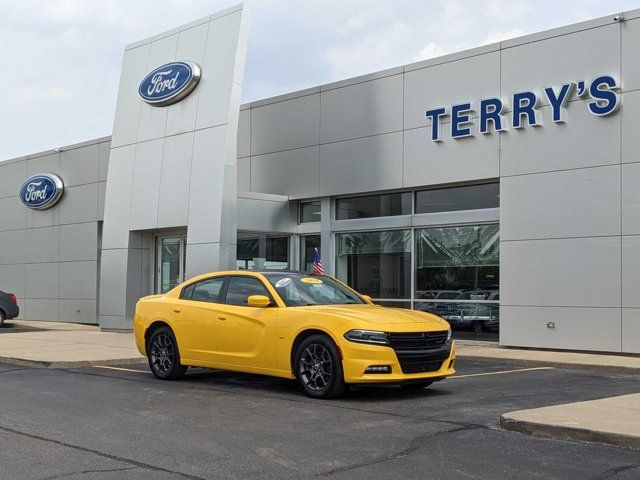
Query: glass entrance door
170	262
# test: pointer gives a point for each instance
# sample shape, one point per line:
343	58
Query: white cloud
430	50
494	37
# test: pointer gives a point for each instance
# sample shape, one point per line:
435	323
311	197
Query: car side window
240	288
187	292
207	290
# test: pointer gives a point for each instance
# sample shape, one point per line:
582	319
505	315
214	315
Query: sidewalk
614	421
68	345
588	361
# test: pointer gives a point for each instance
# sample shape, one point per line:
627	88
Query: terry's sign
169	83
41	191
491	116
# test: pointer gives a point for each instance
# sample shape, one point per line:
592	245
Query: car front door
195	315
245	336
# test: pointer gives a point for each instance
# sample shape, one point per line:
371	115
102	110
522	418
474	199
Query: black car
8	307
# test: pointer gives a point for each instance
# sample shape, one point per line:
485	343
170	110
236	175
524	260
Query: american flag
318	268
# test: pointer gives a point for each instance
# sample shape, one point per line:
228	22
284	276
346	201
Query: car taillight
13	298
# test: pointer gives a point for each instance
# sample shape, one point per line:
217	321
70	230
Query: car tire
164	356
415	386
2	318
318	368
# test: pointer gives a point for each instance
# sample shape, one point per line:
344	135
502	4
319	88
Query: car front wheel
319	368
163	355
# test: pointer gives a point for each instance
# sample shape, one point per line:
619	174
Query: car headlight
449	334
367	336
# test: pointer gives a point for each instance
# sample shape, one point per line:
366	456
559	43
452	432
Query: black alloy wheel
163	355
318	368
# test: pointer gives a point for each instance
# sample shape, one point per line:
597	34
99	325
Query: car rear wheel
1	317
319	368
163	355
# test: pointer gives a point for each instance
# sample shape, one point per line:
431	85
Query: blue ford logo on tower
41	191
169	83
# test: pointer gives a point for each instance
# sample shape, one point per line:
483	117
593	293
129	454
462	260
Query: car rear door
245	336
195	316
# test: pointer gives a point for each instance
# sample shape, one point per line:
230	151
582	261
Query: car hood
376	315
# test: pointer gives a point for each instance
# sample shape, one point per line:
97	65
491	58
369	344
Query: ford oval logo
41	191
169	83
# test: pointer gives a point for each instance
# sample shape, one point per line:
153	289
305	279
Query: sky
62	58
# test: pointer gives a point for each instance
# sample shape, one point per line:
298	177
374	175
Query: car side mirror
367	298
258	301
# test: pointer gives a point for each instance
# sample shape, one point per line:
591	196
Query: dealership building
497	187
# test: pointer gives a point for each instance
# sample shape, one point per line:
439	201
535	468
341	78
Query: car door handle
176	310
222	318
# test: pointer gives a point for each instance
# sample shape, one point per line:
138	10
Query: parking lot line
502	372
120	369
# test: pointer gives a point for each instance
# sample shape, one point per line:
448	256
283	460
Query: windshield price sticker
283	282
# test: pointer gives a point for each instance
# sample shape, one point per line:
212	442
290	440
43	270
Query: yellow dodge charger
313	329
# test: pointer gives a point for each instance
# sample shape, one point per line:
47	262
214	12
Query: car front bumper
357	357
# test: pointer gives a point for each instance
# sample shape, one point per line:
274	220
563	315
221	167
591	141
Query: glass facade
377	264
373	206
309	212
470	197
308	244
262	251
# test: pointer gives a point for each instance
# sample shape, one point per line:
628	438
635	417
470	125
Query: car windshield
297	290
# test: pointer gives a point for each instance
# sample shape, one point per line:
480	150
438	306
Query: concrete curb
21	362
546	363
570	433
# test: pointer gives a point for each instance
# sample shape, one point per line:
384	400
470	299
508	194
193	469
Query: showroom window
308	244
377	264
257	251
458	275
309	212
470	197
373	206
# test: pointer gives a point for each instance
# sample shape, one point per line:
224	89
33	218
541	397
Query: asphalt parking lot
121	423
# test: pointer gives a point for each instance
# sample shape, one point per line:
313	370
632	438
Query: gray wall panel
42	280
77	311
13	279
173	204
466	80
631	330
285	125
554	61
576	328
78	280
13	247
366	164
368	108
43	244
40	309
630	113
80	165
576	272
49	163
584	202
12	214
293	172
12	175
630	65
583	141
631	271
430	163
79	204
181	116
146	180
79	241
631	199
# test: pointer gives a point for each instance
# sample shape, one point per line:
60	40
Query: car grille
420	352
